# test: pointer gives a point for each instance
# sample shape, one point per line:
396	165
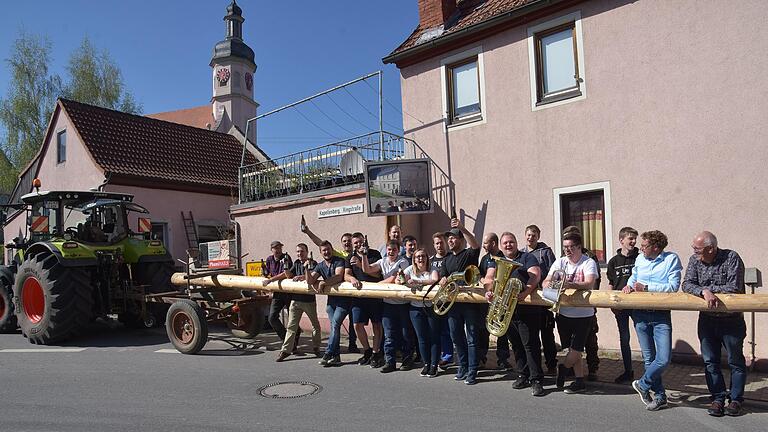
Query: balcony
332	167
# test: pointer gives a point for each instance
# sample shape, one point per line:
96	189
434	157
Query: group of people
419	335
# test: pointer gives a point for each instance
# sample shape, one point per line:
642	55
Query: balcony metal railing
326	167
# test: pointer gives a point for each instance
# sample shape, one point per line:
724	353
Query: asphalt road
125	380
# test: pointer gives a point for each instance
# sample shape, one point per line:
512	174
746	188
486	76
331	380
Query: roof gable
470	17
135	147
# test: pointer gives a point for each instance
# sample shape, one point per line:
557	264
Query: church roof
199	117
143	151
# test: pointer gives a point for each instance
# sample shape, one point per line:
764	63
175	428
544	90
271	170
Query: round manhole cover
289	390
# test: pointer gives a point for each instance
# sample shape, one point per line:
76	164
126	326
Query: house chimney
433	13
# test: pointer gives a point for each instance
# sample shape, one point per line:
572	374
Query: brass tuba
505	292
555	288
446	295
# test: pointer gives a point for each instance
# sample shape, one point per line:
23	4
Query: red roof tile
143	148
467	14
199	117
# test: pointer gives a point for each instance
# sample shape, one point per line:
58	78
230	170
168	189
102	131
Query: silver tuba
554	290
505	292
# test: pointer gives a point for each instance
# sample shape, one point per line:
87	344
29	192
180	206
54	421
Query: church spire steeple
234	21
233	65
233	45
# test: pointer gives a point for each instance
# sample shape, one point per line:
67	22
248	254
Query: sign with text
254	268
340	211
218	254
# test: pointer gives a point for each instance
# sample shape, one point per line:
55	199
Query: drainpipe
752	357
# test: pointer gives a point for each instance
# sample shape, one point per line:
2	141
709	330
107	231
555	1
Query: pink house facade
602	114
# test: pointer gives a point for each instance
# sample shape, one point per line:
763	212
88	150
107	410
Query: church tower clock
233	65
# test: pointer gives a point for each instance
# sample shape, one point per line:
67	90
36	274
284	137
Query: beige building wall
672	124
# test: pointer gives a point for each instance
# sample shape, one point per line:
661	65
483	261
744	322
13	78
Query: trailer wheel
253	322
186	326
7	317
54	301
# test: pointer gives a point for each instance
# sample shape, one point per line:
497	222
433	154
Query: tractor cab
99	218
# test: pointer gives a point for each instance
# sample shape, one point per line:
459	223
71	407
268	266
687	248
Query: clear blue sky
302	47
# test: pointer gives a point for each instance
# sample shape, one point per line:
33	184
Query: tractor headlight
67	236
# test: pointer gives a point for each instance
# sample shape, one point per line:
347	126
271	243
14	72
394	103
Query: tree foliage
25	110
95	79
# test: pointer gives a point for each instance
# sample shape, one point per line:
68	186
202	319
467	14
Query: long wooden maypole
601	299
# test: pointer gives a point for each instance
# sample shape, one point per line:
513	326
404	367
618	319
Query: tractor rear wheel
7	317
186	326
54	301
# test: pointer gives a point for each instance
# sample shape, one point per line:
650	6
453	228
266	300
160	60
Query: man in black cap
463	314
275	265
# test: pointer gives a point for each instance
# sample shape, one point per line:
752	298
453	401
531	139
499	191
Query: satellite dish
352	163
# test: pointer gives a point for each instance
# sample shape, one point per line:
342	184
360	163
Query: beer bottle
310	262
303	224
400	276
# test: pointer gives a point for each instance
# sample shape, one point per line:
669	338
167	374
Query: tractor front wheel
157	277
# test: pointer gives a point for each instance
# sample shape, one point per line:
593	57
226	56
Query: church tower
233	82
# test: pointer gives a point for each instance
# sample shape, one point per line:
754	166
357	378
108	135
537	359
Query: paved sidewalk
686	382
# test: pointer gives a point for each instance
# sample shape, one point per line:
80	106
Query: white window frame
166	231
56	138
574	17
605	187
455	58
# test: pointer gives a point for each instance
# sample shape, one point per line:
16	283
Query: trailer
196	306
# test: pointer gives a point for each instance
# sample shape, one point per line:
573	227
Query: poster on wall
398	187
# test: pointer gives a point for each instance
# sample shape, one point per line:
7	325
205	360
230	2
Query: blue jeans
395	319
622	321
654	333
427	326
336	314
446	343
464	320
714	333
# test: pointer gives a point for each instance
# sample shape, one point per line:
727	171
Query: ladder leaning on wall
190	229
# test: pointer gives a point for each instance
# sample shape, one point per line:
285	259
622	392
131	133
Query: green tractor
81	261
